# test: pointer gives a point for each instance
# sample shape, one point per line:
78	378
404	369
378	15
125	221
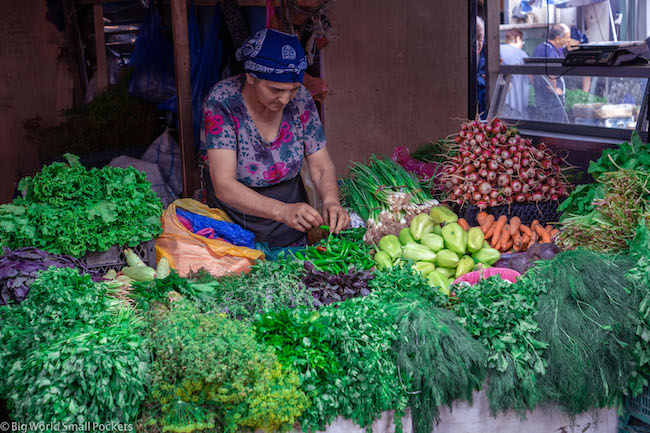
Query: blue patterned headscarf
274	56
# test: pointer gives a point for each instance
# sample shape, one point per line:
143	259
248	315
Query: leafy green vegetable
627	156
360	333
588	316
501	315
147	293
437	356
300	340
67	354
639	277
613	220
578	96
67	209
634	155
270	285
208	369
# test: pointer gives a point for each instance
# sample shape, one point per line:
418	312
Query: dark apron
274	233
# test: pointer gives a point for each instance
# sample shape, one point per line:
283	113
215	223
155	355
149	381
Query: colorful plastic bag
187	251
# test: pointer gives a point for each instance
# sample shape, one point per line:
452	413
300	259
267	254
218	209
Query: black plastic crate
114	258
639	409
544	211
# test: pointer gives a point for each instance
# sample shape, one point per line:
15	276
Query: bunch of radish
493	165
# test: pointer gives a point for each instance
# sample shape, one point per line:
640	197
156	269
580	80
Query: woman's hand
301	216
336	217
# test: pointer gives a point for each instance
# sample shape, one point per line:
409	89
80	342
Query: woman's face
273	95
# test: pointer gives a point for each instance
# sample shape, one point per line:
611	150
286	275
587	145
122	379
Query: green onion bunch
382	185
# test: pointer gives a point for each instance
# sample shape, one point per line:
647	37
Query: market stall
477	290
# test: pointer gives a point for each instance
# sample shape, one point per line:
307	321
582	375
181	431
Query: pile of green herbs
436	356
578	96
501	316
66	209
367	355
270	285
113	120
573	331
69	353
619	203
589	317
352	372
639	278
195	388
634	156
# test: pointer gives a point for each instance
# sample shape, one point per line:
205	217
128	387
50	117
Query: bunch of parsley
69	353
66	209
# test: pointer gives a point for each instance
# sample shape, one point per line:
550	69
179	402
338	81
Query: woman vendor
257	128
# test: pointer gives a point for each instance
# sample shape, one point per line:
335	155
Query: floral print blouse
227	125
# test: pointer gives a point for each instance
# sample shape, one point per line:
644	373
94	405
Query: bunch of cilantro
66	209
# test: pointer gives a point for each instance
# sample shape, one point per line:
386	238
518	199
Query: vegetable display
510	234
493	165
440	257
502	316
329	288
337	254
385	195
19	268
66	209
68	339
634	156
612	218
402	315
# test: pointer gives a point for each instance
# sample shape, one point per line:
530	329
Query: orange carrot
498	228
544	236
524	241
508	245
554	233
500	223
515	222
549	228
490	232
463	223
480	217
505	237
494	243
517	242
487	222
532	240
533	224
525	230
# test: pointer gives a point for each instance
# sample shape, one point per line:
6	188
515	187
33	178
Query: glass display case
585	101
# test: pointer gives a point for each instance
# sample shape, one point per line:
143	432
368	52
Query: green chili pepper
315	252
327	228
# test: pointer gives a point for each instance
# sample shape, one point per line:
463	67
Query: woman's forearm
324	178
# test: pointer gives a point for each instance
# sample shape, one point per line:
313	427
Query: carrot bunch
505	235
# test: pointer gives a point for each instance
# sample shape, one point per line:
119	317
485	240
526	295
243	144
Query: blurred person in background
549	91
512	54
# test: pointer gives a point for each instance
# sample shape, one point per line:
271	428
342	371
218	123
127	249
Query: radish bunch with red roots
493	165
